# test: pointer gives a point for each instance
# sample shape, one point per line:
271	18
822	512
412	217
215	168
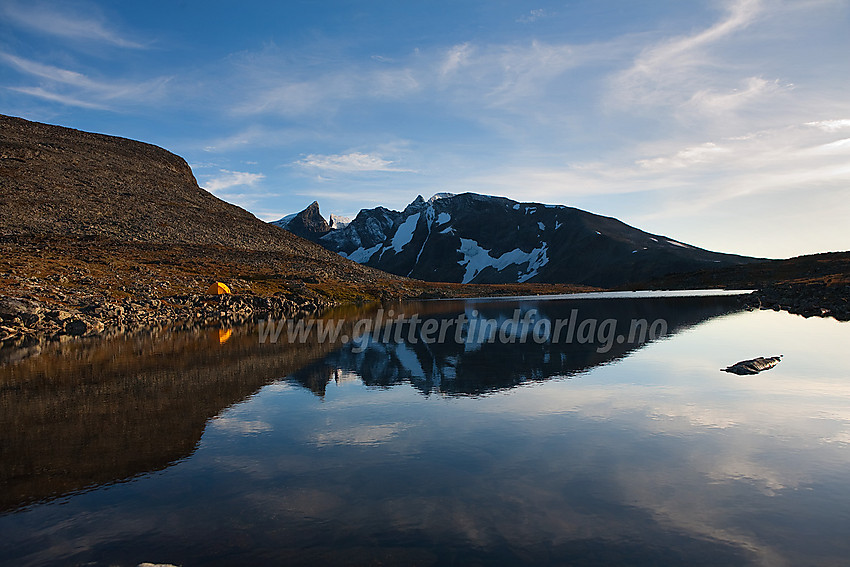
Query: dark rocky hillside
63	183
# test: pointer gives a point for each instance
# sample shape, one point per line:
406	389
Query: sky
721	123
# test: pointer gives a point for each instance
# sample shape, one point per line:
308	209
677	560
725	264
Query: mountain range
472	238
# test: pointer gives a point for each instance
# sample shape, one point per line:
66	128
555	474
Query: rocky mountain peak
309	223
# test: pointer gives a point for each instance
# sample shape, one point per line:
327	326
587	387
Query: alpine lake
616	440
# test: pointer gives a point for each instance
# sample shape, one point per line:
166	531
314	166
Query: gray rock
76	327
59	315
753	366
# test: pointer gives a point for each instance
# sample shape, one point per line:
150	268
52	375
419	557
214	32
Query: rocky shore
27	323
815	299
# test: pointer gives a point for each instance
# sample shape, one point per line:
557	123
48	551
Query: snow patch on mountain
284	221
337	222
362	255
409	361
477	258
443	218
404	233
537	258
438	196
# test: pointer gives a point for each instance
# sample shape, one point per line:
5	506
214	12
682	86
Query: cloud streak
664	73
227	179
48	20
77	89
354	162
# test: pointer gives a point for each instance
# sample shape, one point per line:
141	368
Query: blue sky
725	124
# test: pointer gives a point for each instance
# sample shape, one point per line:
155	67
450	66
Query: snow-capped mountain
473	238
337	222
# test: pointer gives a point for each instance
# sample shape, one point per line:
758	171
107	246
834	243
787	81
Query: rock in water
753	366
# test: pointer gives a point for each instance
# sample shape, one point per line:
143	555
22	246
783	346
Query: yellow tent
218	288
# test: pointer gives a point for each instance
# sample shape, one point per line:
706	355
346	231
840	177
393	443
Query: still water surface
181	449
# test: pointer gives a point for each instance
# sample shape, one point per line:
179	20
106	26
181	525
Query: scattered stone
753	366
76	327
805	299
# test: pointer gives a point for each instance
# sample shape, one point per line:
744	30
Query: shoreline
809	299
27	324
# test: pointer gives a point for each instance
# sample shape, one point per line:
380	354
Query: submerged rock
753	366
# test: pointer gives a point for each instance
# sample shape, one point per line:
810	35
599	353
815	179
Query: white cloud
51	20
532	16
831	125
705	193
349	163
39	92
227	179
237	426
686	157
257	136
280	84
672	71
78	89
712	101
360	435
456	57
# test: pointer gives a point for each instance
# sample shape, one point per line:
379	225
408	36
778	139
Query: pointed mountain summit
309	223
472	238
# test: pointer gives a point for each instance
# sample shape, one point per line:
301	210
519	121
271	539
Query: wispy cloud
717	102
52	20
687	157
226	179
504	73
757	163
257	136
360	435
237	426
676	70
77	89
273	82
532	16
349	163
456	57
673	189
831	125
39	92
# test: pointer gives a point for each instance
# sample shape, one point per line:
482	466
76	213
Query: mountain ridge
473	238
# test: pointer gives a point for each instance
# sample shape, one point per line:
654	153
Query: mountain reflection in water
88	414
211	447
480	366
